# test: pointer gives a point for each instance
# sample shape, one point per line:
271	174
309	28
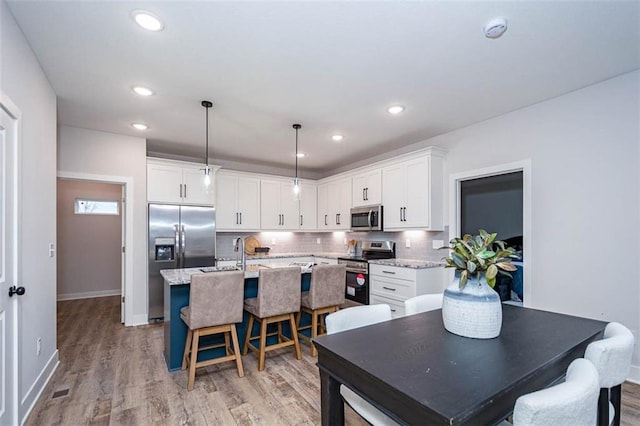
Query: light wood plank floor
116	375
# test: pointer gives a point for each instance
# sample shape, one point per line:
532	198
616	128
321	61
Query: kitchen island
176	296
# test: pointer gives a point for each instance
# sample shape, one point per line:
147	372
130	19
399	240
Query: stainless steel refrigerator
179	237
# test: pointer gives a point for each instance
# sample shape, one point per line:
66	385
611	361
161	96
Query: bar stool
215	305
278	299
325	295
612	358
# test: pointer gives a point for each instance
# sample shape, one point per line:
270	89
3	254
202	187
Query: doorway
90	239
495	190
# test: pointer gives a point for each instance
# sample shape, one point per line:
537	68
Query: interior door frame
455	208
127	266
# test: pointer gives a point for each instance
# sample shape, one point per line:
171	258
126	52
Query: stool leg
263	344
194	359
279	332
245	350
227	345
314	332
616	399
603	407
236	350
294	333
187	348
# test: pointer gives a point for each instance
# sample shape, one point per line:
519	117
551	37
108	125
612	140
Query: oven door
357	287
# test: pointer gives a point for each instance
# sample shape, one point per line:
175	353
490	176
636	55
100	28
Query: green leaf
471	267
483	233
486	254
507	266
463	279
491	238
491	282
492	271
459	260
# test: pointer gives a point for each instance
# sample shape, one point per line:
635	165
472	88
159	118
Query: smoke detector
495	27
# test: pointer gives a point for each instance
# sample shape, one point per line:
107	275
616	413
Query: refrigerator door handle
183	245
177	246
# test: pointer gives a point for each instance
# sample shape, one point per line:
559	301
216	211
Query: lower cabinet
394	284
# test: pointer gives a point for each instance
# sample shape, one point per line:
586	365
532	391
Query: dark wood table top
419	373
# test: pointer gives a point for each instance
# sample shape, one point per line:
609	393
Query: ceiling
334	67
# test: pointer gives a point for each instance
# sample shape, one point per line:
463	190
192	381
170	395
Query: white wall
24	82
100	153
584	151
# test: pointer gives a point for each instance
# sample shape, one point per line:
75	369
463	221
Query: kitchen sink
219	268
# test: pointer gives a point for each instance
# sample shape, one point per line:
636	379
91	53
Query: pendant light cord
296	153
206	105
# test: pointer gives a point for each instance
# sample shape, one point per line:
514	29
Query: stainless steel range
357	285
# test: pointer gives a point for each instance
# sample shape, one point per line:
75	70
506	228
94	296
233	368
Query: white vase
475	311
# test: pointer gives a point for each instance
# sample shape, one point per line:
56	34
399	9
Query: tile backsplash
420	242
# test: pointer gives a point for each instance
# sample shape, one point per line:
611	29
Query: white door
8	269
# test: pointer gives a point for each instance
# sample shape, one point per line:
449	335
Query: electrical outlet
407	243
436	244
317	240
273	241
39	346
52	249
344	241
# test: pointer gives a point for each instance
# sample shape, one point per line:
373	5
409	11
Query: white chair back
423	303
573	402
612	355
357	316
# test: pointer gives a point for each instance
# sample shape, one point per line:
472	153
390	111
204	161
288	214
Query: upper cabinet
334	205
308	206
178	182
238	201
413	192
278	206
367	188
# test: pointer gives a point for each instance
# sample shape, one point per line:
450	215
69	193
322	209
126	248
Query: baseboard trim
634	374
35	391
88	294
139	319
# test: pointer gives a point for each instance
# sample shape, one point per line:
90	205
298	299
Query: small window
83	206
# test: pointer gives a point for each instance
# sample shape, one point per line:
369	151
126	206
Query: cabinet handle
388	272
237	220
301	221
240	218
325	220
393	310
180	190
389	288
405	214
185	190
282	220
364	196
401	214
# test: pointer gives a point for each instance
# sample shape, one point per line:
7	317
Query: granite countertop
284	256
408	263
183	276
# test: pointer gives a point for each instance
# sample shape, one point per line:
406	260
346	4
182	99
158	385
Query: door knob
16	290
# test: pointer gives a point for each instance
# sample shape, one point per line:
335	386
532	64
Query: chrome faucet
239	246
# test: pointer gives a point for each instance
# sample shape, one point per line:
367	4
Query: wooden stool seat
215	305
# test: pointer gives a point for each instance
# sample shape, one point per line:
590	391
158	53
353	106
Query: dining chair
325	295
355	317
423	303
612	358
278	300
215	306
572	402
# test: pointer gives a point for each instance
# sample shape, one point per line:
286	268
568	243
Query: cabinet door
393	190
194	189
164	183
323	207
248	203
226	202
417	187
340	200
308	206
289	207
373	190
270	214
359	188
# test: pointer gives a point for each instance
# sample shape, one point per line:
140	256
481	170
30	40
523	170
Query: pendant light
296	181
207	169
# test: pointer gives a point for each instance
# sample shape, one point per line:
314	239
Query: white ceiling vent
495	27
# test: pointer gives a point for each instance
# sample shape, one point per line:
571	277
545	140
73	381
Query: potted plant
470	306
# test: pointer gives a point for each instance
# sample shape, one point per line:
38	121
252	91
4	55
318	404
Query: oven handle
357	271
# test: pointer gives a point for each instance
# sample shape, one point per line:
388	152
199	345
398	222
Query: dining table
415	371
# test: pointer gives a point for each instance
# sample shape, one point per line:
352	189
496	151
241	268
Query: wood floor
115	375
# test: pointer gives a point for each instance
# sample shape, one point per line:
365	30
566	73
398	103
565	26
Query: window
83	206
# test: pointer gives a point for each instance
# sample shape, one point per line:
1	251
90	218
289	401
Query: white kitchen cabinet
334	205
308	206
178	182
278	206
238	202
413	193
325	261
394	284
367	188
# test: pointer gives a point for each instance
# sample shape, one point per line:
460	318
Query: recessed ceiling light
495	27
143	91
147	20
337	138
139	126
396	109
300	154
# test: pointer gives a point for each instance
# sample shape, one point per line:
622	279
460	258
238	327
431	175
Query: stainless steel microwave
367	218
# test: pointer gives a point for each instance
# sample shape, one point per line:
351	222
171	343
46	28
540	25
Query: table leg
331	404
